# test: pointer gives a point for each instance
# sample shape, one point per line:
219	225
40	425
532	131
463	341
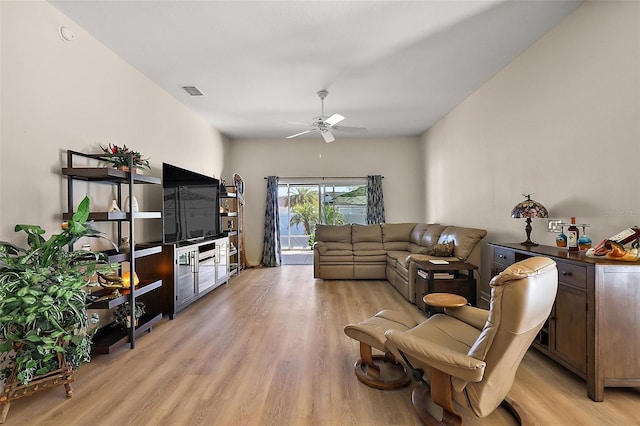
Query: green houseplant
43	299
119	157
123	317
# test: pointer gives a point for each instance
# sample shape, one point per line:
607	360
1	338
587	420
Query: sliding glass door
302	205
298	206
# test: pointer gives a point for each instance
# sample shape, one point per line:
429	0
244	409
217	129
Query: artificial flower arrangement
121	157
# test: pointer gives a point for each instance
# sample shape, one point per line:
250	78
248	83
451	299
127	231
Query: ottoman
380	371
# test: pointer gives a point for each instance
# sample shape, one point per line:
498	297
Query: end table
428	282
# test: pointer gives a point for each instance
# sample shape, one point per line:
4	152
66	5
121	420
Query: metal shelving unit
109	338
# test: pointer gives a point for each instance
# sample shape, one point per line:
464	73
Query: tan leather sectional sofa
386	251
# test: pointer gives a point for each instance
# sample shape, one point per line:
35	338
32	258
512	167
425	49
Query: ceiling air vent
192	90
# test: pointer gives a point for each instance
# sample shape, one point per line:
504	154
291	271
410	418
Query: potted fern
43	305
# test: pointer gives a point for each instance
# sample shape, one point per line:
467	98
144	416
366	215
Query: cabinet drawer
503	256
574	275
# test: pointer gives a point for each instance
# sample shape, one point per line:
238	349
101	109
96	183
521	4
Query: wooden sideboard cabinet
594	327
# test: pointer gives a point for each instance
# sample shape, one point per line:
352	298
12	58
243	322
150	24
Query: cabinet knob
502	256
565	274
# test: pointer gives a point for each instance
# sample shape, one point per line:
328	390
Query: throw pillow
441	250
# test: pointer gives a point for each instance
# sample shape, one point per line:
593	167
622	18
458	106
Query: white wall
57	96
561	121
398	159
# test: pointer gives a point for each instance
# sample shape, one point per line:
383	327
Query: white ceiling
395	67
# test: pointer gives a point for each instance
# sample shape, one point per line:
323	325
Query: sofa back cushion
396	236
431	235
423	236
333	233
366	233
366	237
464	239
417	231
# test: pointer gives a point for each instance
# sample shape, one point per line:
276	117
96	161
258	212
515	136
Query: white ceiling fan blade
295	122
299	134
328	136
350	129
334	119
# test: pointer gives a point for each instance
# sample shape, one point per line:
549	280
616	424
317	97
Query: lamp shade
529	209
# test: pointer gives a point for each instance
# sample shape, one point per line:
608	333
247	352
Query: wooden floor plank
269	349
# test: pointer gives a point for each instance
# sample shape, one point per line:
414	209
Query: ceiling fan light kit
324	124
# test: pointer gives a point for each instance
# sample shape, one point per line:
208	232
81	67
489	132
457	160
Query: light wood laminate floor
269	349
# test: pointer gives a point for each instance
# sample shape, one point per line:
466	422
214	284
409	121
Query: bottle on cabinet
561	238
572	236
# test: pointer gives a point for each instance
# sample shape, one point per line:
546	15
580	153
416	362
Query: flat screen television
190	205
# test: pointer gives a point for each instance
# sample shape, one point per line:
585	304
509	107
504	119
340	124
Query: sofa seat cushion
369	253
370	256
368	246
381	259
426	257
337	256
417	248
396	246
397	256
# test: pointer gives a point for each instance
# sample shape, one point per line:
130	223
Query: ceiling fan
325	125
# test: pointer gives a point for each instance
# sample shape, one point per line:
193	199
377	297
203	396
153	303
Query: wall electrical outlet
555	225
95	318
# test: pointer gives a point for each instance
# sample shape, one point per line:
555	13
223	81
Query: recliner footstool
371	334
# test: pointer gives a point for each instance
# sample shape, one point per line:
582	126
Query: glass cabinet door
222	260
206	270
185	275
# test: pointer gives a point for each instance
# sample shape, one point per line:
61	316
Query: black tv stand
189	270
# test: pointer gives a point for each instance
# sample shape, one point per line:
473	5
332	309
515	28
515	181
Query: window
304	204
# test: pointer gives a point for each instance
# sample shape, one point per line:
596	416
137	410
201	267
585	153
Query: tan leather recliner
471	355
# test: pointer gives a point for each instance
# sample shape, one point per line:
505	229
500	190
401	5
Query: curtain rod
321	177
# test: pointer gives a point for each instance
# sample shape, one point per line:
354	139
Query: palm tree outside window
305	204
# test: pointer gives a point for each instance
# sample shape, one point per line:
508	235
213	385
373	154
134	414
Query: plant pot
129	321
126	169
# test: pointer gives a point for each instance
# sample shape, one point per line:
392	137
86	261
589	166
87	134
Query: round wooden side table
444	300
